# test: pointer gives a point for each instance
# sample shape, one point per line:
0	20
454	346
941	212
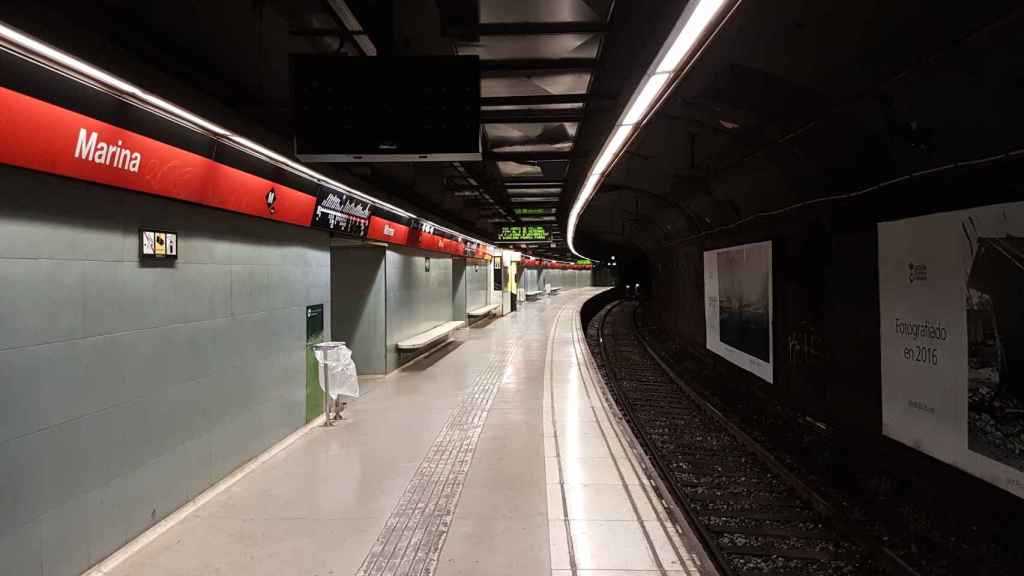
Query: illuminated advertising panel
952	338
738	306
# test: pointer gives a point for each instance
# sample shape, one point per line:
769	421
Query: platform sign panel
314	335
342	213
951	295
523	234
738	306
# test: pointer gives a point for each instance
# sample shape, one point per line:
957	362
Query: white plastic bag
346	380
341	372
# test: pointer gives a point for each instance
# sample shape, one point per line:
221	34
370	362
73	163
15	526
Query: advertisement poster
314	335
738	306
951	294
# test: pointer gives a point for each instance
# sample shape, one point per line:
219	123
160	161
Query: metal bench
424	339
482	311
555	290
534	294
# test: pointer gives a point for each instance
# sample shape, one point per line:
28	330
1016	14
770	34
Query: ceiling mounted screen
386	109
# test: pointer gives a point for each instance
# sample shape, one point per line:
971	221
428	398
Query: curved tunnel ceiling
798	101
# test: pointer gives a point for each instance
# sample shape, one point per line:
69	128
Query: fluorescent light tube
691	31
642	104
611	149
69	62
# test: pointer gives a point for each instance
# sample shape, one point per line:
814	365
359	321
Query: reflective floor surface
495	455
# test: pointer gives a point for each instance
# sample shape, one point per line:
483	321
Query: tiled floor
549	486
604	516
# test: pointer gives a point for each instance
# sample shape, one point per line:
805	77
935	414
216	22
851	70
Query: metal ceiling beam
534	100
345	19
315	32
532	194
528	156
530	116
533	180
526	187
515	67
518	28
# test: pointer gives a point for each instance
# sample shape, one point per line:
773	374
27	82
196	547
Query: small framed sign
157	244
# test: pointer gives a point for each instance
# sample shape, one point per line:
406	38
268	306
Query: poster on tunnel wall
738	306
951	295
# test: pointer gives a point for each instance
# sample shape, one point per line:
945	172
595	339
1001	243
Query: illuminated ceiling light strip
686	38
680	45
38	51
611	149
642	103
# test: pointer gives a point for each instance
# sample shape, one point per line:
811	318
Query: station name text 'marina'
90	147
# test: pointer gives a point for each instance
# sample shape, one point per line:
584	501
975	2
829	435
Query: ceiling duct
539	137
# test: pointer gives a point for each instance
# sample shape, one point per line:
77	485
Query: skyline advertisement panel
738	306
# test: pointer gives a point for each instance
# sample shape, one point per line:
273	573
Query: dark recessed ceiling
798	100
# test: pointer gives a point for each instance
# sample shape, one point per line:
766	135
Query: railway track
752	514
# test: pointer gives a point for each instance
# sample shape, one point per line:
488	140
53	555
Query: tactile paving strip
411	541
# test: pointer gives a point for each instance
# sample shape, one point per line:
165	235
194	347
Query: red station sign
41	136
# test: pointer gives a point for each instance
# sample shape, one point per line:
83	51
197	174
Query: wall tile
40	302
22	481
22	550
127	388
67	528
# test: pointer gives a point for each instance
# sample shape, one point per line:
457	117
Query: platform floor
496	455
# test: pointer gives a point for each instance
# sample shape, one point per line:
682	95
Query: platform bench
554	290
424	339
482	311
534	294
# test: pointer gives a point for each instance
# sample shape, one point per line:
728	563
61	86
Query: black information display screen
385	105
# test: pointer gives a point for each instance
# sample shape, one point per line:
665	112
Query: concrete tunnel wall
127	389
825	284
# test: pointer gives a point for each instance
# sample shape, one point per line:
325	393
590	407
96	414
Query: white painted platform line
605	517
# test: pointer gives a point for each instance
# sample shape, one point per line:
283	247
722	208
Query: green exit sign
584	261
523	234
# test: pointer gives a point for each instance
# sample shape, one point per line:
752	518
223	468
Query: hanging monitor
385	109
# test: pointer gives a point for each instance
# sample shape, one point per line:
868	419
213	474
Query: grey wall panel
531	280
553	277
478	283
586	279
128	389
459	289
357	295
417	299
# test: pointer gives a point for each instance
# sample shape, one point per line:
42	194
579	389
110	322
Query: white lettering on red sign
90	148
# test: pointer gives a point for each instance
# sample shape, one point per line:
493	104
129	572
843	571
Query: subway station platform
497	454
